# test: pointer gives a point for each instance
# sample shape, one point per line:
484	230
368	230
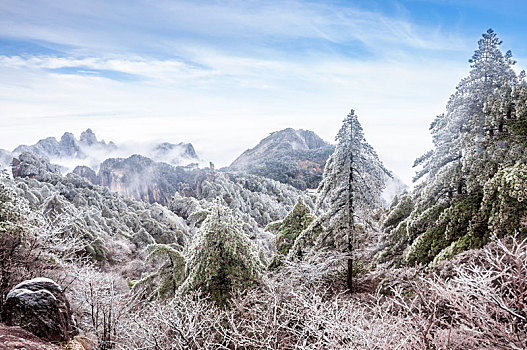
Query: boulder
40	307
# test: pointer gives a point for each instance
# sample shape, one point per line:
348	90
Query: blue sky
224	74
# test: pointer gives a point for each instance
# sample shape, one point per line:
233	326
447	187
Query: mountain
140	178
67	147
176	154
188	192
108	226
295	157
188	189
257	199
70	151
88	151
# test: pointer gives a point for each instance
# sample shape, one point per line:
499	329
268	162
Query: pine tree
350	190
287	230
461	129
480	137
222	260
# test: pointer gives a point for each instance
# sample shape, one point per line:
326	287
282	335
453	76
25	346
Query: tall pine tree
350	191
461	129
479	139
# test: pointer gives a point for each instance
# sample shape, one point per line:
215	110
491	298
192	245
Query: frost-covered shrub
30	244
482	304
100	302
15	242
186	322
103	221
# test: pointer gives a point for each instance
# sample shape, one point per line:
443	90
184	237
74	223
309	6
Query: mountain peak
88	137
297	139
296	157
68	141
174	153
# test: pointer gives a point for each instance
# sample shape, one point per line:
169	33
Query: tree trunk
349	280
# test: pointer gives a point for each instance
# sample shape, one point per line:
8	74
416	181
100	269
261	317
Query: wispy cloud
162	27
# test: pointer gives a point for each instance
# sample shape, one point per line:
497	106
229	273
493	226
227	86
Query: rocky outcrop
40	307
17	338
295	157
32	166
87	173
143	179
69	147
88	137
51	148
175	154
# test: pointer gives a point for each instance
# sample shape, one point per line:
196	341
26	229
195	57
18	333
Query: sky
224	74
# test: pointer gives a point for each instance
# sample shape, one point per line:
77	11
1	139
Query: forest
145	254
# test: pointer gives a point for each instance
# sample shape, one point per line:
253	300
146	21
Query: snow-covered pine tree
222	260
480	136
350	190
460	130
288	229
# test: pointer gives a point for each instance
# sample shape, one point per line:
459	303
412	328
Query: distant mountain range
67	147
70	152
295	157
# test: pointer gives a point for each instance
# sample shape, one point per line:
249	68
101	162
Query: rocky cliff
142	178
